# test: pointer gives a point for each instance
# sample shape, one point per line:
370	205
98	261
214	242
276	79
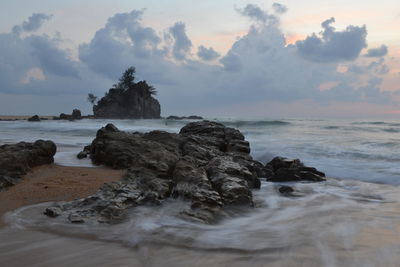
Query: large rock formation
17	159
75	115
135	102
207	164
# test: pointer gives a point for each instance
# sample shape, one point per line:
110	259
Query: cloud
279	8
52	59
259	67
255	13
34	64
207	54
33	24
181	42
377	52
123	42
333	46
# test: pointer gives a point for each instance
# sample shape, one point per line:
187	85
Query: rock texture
207	165
282	169
135	102
75	115
17	159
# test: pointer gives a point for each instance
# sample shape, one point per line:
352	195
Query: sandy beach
55	183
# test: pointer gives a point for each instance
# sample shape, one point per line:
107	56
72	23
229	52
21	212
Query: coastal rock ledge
17	159
207	165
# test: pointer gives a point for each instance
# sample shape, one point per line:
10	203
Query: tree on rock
127	79
128	99
91	98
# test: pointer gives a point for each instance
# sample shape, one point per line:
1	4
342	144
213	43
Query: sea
352	219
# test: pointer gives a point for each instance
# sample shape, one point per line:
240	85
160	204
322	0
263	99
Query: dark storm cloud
333	46
207	54
377	52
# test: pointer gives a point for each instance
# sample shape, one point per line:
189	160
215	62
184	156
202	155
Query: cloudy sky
331	58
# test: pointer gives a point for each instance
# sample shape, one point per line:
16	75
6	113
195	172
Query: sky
330	58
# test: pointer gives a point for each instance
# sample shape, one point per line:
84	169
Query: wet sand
55	183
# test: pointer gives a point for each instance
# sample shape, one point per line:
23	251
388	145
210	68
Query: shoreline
55	183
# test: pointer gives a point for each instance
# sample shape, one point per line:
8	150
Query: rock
286	170
17	159
206	164
135	102
76	115
230	180
34	118
286	190
75	218
83	154
52	212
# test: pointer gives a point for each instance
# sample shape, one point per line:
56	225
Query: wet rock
75	218
53	212
206	165
34	118
17	159
286	170
285	190
84	153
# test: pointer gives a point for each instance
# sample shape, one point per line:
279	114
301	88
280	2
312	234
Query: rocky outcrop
34	118
206	164
135	102
75	115
282	169
17	159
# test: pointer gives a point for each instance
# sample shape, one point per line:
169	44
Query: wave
394	124
263	123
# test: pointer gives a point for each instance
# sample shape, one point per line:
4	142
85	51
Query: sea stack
128	100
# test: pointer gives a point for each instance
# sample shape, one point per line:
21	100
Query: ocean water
350	220
361	150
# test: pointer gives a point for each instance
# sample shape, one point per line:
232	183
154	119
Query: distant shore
21	117
55	183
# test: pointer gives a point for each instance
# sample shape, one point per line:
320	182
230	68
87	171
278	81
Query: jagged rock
17	159
286	170
76	115
34	118
206	164
133	103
